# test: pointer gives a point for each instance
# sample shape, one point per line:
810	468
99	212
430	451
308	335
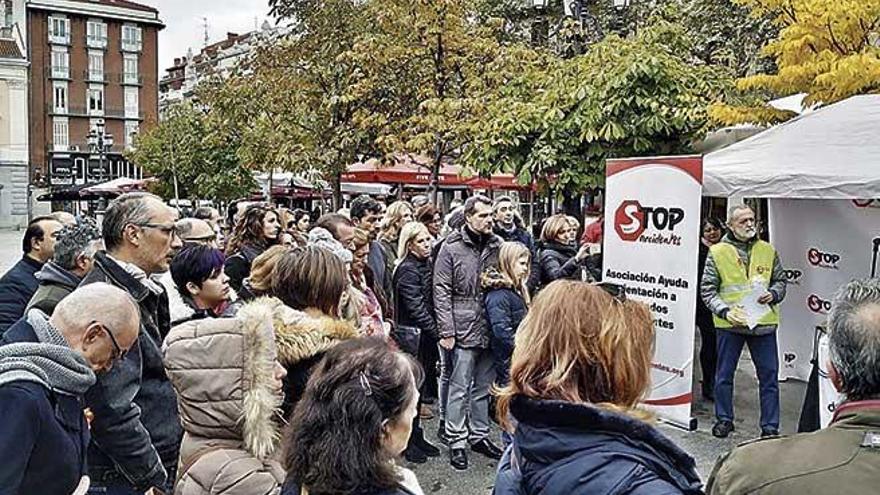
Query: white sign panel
651	244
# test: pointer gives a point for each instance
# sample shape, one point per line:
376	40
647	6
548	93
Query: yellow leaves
759	115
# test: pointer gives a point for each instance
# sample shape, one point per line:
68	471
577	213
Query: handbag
407	338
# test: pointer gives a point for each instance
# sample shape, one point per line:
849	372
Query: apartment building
14	190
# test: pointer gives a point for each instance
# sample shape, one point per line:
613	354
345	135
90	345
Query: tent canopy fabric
416	170
832	153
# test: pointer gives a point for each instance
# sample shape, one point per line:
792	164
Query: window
96	101
130	69
60	99
60	132
131	102
60	64
59	30
96	66
131	38
96	34
131	130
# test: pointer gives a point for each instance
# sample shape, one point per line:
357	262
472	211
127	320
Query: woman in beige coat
229	389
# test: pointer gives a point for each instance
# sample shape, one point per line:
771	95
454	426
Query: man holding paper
742	285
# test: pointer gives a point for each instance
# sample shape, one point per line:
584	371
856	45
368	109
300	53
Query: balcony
94	76
59	39
109	112
131	79
131	46
58	72
96	42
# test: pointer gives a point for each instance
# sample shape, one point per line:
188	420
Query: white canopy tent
832	153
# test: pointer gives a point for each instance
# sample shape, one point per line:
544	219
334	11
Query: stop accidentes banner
651	244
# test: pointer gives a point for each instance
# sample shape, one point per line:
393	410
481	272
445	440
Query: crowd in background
270	352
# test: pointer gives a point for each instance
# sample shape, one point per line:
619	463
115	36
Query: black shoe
415	455
708	395
458	459
769	432
722	429
427	447
441	434
488	449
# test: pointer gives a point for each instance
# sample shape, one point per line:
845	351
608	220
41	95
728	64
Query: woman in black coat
713	231
256	231
413	296
559	257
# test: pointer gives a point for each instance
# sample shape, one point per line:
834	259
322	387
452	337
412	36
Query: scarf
138	274
50	362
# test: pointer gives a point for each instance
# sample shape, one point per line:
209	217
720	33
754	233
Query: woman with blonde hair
416	329
507	302
397	215
558	257
580	367
259	283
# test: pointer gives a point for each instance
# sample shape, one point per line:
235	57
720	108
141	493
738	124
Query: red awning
413	170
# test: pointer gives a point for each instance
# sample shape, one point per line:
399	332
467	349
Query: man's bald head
97	318
196	231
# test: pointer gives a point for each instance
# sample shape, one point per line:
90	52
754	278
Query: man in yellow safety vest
742	285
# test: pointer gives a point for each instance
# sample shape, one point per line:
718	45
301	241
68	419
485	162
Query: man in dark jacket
19	284
840	459
464	330
507	226
75	251
736	267
46	366
136	432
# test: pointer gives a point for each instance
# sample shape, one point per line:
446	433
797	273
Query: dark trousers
708	355
122	487
429	356
766	360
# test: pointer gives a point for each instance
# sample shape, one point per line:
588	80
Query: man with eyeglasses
47	369
737	267
136	431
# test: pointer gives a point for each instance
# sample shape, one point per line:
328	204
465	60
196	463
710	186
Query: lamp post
540	36
100	142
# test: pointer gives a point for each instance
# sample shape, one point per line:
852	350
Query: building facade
14	190
217	59
94	66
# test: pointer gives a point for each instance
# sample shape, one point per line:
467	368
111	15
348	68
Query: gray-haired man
842	458
75	249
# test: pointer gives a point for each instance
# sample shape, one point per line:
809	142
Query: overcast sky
185	25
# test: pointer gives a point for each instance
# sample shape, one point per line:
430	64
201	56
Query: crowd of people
271	352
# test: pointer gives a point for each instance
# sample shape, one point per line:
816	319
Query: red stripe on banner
691	165
671	401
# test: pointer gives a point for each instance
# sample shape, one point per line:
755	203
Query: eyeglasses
617	291
171	229
118	353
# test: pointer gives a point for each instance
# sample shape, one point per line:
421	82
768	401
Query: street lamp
100	142
621	4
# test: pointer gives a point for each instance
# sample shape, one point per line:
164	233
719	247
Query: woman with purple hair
202	286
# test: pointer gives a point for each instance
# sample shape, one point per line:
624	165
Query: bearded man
742	285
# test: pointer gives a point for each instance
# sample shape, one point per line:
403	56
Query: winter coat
414	294
505	309
840	459
376	262
710	285
558	261
566	448
136	428
238	266
704	314
45	435
302	338
55	284
17	287
389	260
458	296
222	371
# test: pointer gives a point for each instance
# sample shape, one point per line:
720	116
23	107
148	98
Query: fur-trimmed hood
222	371
493	279
301	335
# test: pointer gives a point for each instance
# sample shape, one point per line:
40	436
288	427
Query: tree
828	50
560	119
193	157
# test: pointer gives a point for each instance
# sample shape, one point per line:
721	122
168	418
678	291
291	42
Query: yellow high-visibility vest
736	283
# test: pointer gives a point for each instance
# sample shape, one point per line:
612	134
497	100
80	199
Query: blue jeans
766	360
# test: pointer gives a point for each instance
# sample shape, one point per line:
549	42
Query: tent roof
832	153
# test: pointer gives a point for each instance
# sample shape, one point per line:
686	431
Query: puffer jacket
458	296
55	284
505	309
415	295
222	371
558	261
302	338
561	448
